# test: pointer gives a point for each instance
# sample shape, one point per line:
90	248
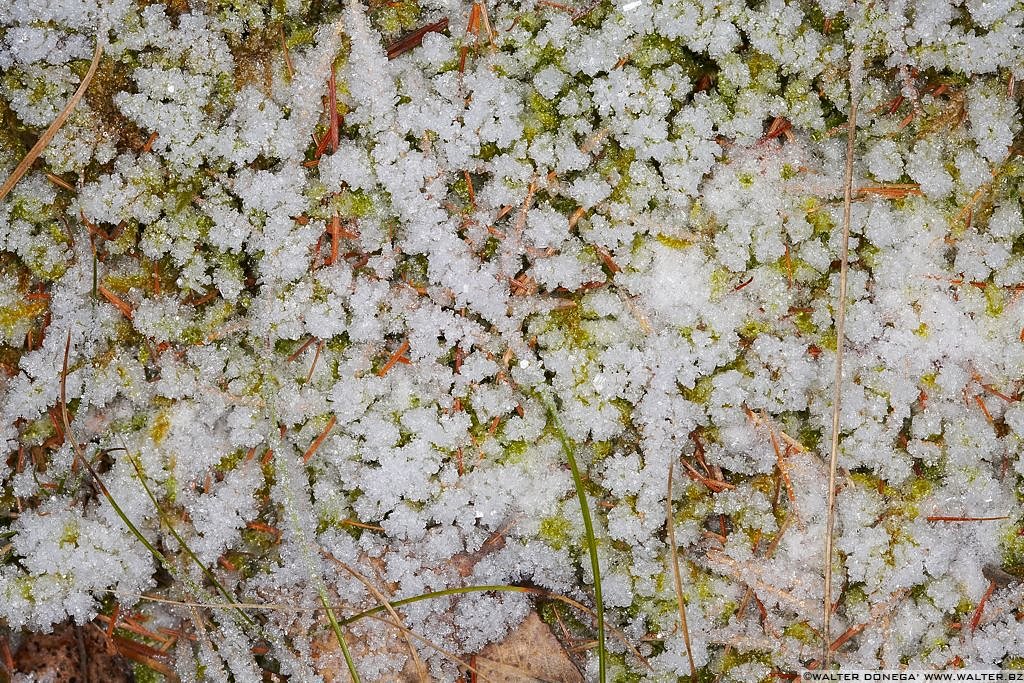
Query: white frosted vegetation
314	352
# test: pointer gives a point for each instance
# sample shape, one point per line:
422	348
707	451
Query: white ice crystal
316	350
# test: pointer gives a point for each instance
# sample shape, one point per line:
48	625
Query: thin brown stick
394	359
944	518
856	61
318	441
980	609
58	122
414	39
316	357
676	578
118	303
301	349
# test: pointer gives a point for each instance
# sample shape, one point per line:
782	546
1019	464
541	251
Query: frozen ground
326	332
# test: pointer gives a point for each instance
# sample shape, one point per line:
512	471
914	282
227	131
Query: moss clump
556	532
673	242
161	427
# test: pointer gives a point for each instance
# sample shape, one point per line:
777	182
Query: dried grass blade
676	577
58	122
856	64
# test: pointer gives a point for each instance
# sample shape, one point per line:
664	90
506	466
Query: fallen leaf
70	654
529	654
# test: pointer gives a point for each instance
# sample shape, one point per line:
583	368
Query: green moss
122	284
805	323
69	535
171	488
733	658
821	222
394	17
828	339
351	204
995	300
602	449
802	632
1012	547
556	532
515	452
545	55
701	391
673	242
19	315
570	322
656	49
721	283
161	427
38	431
751	329
193	335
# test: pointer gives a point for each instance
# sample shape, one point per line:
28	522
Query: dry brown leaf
59	656
530	654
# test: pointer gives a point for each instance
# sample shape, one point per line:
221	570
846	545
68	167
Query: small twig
316	357
287	55
117	302
980	609
298	352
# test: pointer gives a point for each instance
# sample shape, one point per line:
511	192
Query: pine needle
677	579
57	124
856	61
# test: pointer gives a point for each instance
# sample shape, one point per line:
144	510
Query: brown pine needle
676	577
318	441
947	518
148	146
976	618
118	303
58	122
414	39
60	182
298	352
316	357
856	61
984	409
395	358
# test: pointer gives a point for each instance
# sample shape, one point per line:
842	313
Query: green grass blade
181	541
588	526
336	627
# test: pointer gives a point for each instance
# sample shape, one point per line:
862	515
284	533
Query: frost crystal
316	267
